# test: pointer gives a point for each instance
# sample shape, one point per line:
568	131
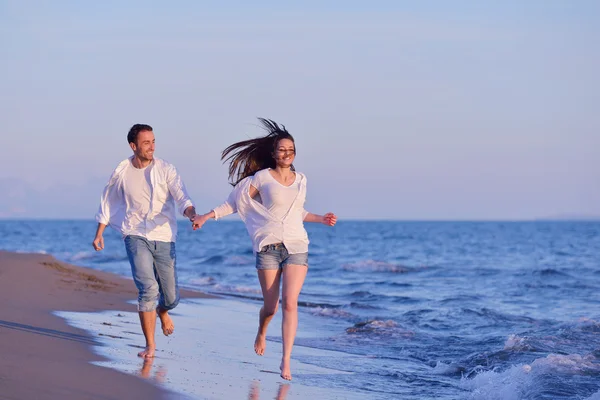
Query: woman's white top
278	218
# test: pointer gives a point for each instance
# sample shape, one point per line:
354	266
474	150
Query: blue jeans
275	256
154	274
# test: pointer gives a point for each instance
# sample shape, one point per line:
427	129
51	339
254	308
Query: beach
70	332
44	357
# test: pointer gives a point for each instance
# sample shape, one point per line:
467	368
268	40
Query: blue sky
401	110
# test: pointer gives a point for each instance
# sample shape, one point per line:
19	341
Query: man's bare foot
166	323
260	344
148	352
285	370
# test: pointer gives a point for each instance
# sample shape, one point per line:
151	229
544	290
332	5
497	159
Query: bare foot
260	344
285	370
166	323
148	352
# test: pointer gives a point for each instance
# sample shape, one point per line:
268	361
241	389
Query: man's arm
98	242
108	205
177	189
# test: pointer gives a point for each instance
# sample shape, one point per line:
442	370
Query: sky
401	110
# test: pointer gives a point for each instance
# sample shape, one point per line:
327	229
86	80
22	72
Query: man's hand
98	243
329	219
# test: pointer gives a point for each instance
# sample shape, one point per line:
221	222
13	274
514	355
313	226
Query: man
139	201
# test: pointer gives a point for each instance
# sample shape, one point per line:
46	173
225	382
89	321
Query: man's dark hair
135	131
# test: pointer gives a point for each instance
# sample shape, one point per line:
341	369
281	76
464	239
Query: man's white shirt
144	202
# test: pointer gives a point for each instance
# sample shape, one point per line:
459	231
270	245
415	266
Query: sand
44	358
68	332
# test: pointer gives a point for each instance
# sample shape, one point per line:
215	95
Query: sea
401	309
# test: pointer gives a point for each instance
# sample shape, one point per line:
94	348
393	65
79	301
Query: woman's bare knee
289	305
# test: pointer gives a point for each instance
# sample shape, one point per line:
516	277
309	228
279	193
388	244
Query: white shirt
276	197
142	201
278	220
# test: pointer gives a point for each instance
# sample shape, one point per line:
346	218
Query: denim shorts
275	256
154	272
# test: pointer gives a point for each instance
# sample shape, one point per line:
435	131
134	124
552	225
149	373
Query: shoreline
43	356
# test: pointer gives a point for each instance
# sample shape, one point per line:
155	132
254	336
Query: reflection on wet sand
159	374
254	393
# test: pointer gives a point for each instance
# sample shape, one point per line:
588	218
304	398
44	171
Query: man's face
143	148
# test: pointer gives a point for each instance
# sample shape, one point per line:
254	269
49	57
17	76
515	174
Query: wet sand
68	332
41	356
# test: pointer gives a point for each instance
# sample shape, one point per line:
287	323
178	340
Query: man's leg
142	268
166	274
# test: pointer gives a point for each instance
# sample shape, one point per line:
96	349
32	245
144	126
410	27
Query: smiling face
285	153
143	148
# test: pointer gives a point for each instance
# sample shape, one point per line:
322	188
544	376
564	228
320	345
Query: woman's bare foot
166	323
148	352
285	370
260	344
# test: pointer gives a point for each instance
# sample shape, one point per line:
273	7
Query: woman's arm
221	211
328	219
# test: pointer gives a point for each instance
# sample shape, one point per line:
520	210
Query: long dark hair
250	156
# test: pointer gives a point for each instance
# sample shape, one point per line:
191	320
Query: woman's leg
269	283
293	279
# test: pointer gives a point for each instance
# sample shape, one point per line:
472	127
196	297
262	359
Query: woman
269	196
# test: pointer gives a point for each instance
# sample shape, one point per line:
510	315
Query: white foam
519	381
515	342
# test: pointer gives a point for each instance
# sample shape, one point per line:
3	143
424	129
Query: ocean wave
442	368
202	281
379	327
527	380
226	260
332	312
239	260
212	260
98	258
588	325
31	251
364	306
517	343
550	272
573	364
595	396
375	266
235	289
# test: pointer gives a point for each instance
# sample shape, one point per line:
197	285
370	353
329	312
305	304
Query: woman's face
284	154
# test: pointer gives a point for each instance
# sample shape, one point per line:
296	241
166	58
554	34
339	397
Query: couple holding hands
145	193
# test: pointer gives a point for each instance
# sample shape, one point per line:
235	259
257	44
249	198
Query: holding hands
199	220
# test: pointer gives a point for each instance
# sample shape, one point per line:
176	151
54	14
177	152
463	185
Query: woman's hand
329	219
199	220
